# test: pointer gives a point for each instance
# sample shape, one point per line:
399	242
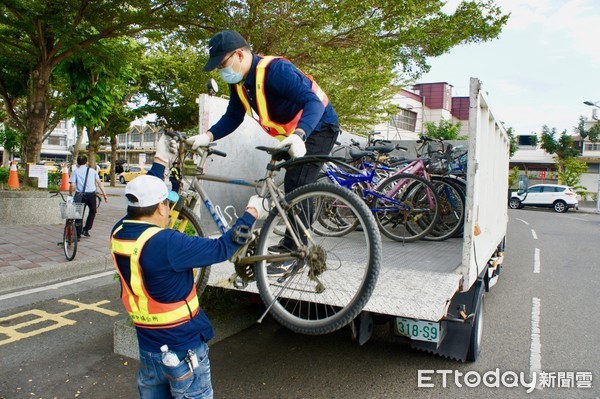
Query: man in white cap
155	266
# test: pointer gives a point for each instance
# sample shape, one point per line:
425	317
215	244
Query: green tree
513	141
357	51
101	84
171	80
572	170
561	147
513	177
10	139
445	130
39	35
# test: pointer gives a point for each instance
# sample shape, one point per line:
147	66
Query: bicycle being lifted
332	278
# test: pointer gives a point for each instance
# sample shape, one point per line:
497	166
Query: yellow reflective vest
144	310
275	129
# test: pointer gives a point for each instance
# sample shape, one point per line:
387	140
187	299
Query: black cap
221	44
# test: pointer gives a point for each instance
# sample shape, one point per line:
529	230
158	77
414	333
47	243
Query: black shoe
86	233
280	248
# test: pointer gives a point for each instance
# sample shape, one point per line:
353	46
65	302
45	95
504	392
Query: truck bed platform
416	279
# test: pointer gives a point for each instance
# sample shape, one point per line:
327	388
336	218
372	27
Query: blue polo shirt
167	261
78	177
287	91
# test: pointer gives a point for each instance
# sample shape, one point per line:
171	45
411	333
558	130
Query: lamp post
595	104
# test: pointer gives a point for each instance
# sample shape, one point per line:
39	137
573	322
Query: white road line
533	234
55	286
521	220
536	261
535	349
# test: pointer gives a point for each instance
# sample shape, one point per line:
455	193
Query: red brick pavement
31	247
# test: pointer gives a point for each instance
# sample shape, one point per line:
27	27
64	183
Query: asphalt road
541	316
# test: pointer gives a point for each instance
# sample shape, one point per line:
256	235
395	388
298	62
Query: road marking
535	349
521	220
54	286
536	261
21	325
533	234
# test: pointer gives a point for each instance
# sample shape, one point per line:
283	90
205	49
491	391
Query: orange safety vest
142	308
275	129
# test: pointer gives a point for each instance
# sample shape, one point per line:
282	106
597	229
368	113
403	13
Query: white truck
430	293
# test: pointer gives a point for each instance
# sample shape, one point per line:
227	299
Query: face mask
230	76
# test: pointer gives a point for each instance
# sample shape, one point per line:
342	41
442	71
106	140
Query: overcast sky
544	64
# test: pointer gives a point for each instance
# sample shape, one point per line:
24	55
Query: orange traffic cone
64	184
13	177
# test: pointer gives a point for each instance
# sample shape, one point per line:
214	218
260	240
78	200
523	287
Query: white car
560	198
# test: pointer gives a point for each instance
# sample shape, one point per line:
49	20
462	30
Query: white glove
166	148
199	140
259	203
297	146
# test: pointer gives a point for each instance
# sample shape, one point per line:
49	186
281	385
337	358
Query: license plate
418	329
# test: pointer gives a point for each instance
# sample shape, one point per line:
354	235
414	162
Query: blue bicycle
405	205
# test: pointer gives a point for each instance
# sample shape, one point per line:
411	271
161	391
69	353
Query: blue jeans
157	381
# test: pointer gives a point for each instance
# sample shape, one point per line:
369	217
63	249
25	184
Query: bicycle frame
263	187
347	180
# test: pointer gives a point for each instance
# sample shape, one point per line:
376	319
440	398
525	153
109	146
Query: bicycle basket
71	211
440	155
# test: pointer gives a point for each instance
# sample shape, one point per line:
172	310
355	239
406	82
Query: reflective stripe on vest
142	308
275	129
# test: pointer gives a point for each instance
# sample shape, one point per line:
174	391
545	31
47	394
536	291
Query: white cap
149	190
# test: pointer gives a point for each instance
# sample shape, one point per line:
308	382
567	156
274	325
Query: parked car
104	172
560	198
52	166
131	173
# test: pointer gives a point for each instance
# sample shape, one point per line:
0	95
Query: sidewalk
30	256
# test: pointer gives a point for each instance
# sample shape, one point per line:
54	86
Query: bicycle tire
417	212
461	185
334	221
335	280
188	223
70	240
452	210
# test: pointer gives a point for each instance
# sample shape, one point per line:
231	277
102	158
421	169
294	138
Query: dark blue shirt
287	90
167	263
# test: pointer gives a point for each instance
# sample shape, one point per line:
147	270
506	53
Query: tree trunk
77	145
93	145
38	112
113	162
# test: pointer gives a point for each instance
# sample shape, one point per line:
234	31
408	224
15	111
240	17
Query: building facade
424	102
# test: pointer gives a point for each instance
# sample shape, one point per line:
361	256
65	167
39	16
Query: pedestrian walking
83	184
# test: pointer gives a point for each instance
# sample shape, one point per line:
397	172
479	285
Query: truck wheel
476	333
514	203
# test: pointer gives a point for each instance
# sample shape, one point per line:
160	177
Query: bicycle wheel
70	239
334	220
332	278
452	210
410	208
188	223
